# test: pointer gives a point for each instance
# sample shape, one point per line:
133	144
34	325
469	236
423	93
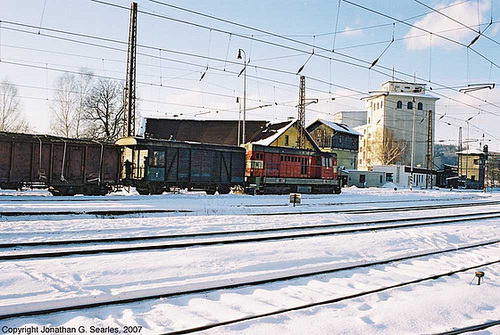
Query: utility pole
459	165
244	71
430	144
412	159
301	120
129	90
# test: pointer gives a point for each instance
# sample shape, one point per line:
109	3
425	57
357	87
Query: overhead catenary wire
183	53
289	39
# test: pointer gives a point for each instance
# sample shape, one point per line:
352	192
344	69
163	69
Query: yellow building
471	167
284	134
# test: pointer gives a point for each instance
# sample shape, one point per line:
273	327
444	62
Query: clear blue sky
309	21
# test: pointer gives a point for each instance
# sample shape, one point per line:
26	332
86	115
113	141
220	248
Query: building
282	134
338	138
203	131
364	179
400	175
471	168
387	135
351	118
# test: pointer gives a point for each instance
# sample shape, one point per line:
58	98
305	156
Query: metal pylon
301	120
130	82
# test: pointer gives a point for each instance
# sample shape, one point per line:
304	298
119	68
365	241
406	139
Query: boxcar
66	166
280	170
154	165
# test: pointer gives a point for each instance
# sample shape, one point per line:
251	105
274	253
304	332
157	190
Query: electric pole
412	158
301	120
459	165
129	90
430	144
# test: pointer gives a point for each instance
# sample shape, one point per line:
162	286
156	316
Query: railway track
383	210
229	239
339	299
271	278
116	212
468	329
360	202
296	212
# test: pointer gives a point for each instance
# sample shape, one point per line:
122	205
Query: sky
177	48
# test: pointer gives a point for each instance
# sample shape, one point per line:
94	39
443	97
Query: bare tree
83	85
385	148
68	103
64	106
103	110
11	116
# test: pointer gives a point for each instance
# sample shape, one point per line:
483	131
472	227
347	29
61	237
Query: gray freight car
66	166
154	165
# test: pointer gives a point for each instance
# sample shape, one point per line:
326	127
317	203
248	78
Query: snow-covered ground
428	307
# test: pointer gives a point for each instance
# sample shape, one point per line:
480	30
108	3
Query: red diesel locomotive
280	170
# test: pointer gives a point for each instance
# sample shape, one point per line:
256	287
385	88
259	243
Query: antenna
129	90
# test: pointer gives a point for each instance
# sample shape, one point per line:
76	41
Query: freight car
154	166
279	170
66	166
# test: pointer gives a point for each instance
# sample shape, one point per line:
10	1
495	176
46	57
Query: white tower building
387	136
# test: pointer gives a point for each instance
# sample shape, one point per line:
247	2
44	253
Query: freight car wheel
337	190
224	189
210	191
142	191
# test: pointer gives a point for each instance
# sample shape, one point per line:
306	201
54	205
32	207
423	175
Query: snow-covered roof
340	127
470	152
403	94
275	133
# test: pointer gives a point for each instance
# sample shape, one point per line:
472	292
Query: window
380	179
157	159
420	106
399	105
381	104
378	105
476	161
281	158
286	140
409	105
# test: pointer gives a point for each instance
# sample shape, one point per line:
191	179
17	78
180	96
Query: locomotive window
157	158
281	158
323	161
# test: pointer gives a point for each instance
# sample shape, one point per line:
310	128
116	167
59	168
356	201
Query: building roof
470	152
401	94
403	82
338	127
202	131
272	132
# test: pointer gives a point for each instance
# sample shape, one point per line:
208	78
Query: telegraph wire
264	41
419	28
304	43
460	23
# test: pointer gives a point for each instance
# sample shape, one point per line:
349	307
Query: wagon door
4	161
21	164
184	166
75	164
225	168
172	164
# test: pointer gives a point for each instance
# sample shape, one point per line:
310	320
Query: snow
427	307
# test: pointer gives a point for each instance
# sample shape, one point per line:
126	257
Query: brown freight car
66	166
